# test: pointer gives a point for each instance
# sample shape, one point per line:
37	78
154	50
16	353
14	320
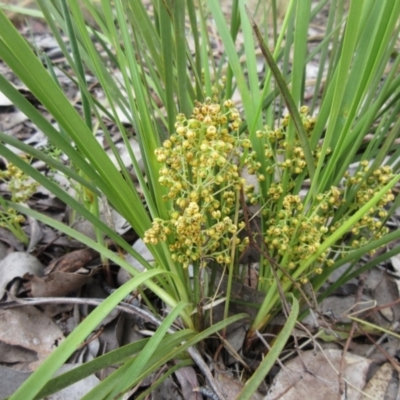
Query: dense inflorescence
20	185
282	154
292	233
21	188
202	167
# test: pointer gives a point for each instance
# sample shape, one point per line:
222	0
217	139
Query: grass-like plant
199	149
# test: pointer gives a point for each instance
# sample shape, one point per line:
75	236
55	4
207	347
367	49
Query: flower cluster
21	188
202	164
293	234
20	185
276	147
366	185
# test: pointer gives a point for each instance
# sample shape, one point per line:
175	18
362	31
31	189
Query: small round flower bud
228	103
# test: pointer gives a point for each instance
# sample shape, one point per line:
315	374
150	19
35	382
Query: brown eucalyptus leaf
234	341
11	379
36	233
10	120
168	390
17	265
28	328
379	383
231	387
384	290
56	284
320	380
188	381
340	307
7	237
72	262
11	355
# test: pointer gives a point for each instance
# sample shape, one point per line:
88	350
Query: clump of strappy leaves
293	232
20	187
202	162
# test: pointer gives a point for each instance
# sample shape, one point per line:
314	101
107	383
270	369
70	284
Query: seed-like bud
246	143
228	103
167	144
210	162
318	270
215	155
211	130
216	214
232	228
221	161
220	259
303	110
181	130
